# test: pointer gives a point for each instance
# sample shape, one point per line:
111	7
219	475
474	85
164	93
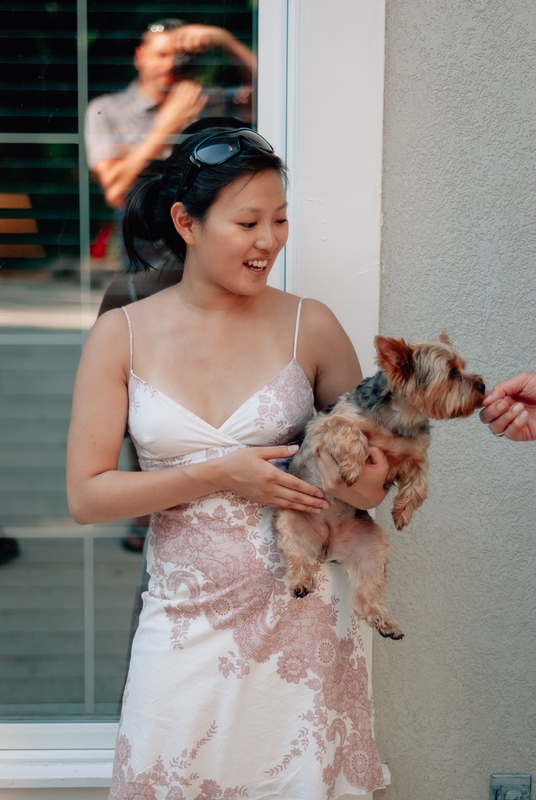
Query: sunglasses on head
165	25
216	149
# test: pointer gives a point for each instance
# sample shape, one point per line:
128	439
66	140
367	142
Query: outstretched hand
368	491
248	473
510	408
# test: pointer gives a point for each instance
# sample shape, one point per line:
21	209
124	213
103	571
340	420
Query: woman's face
236	245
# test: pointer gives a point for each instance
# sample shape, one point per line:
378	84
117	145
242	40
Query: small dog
416	382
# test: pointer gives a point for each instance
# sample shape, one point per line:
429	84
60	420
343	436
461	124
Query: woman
235	688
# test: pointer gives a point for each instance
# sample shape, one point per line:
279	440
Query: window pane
69	595
42	627
64	643
38	67
39	208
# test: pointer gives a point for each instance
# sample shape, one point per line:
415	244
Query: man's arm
118	175
199	38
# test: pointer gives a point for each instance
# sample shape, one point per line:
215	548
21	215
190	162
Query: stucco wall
456	699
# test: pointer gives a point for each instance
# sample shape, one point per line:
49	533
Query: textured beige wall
456	700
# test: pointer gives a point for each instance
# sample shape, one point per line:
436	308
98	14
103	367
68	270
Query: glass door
68	594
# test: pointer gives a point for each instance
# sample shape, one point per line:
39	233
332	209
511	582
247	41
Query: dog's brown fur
416	382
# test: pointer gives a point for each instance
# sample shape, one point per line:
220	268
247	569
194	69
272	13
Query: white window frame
333	254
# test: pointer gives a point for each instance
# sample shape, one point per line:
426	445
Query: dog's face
431	376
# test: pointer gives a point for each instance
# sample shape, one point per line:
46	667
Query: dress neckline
239	408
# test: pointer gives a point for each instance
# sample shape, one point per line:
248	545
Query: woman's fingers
507	422
298	502
493	396
329	471
281	451
494	413
298	493
283	497
253	476
289	481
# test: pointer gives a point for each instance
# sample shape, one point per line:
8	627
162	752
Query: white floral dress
235	688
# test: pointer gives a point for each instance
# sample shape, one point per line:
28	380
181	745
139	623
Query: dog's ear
395	359
444	337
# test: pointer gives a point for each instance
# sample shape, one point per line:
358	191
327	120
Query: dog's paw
401	518
303	586
386	627
396	635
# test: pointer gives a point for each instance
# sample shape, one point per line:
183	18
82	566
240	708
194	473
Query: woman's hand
368	491
248	473
510	408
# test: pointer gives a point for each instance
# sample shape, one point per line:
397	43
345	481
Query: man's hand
242	96
510	408
182	106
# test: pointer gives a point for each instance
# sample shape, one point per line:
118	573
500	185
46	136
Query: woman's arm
98	492
338	371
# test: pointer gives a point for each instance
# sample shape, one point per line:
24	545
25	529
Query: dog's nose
480	387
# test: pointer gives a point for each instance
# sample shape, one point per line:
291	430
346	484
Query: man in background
126	131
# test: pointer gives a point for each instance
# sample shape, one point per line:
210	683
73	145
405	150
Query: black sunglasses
216	149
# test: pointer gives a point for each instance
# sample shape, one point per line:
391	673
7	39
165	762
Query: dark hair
147	212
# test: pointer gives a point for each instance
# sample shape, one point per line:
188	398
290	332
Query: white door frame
320	103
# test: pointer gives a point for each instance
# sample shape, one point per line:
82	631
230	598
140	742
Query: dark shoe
9	549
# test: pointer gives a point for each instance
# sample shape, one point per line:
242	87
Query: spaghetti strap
297	328
127	315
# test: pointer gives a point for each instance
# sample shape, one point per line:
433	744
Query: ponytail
140	220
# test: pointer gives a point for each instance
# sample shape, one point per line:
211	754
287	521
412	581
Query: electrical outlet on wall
510	787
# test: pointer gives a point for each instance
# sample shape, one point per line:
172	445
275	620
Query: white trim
272	78
58	735
36	769
337	160
292	141
272	92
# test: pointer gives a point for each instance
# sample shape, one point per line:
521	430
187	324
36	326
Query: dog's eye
454	373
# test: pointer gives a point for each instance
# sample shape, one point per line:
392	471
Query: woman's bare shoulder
327	353
319	320
108	342
111	324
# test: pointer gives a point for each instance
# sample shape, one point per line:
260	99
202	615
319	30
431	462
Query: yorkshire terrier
391	410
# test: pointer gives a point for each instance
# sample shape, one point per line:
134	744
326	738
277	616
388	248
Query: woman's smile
257	265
